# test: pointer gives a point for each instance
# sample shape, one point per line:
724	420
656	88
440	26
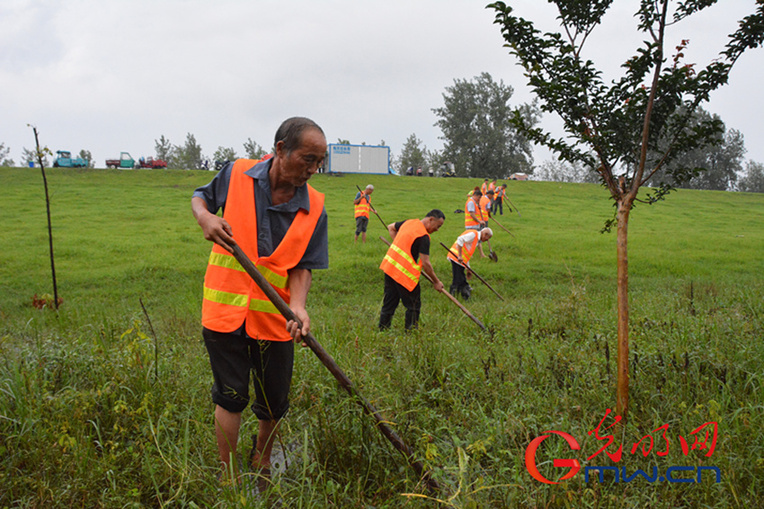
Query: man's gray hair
290	132
370	187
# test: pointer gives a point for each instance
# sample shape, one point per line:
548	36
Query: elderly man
464	247
407	258
280	222
362	205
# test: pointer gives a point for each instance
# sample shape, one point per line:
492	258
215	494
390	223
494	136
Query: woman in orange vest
280	223
408	256
362	205
464	247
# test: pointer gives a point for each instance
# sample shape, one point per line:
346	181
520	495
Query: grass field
98	411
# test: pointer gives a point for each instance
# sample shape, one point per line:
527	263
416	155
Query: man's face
433	224
301	163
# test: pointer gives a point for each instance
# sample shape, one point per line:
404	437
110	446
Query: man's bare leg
227	433
266	436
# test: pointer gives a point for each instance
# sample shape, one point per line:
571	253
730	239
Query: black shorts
360	224
233	356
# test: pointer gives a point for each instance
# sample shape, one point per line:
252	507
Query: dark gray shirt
273	221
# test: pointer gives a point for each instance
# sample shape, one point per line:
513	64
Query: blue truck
64	159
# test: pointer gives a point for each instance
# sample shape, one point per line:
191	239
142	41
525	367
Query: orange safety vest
363	206
468	249
499	192
468	221
485	206
492	187
484	188
230	295
398	263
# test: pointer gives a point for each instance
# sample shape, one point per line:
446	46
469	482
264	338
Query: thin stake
332	366
50	229
471	270
156	341
451	298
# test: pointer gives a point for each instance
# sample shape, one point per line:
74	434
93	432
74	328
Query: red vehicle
150	162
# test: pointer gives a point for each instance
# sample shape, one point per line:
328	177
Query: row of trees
189	155
481	139
28	155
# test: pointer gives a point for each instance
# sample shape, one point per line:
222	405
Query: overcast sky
114	75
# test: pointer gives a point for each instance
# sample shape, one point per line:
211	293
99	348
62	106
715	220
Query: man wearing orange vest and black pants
407	257
280	223
362	205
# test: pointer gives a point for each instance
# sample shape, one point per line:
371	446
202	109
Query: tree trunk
622	382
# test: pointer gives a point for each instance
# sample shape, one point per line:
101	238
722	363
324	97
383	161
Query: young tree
479	137
753	179
412	154
629	129
163	148
188	156
253	150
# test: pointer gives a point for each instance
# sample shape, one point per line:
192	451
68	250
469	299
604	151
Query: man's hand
293	327
215	228
438	285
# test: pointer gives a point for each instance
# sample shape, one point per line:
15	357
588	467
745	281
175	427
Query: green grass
84	421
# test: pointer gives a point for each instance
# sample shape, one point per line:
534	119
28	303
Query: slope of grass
89	418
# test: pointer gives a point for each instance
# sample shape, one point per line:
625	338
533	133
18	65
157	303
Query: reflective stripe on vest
362	208
485	204
468	249
398	262
230	295
468	221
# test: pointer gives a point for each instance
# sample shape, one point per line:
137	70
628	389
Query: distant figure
419	172
410	171
498	199
362	204
485	205
431	172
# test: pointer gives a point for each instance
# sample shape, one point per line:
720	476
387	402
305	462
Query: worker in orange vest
484	187
280	223
407	258
498	202
485	205
362	205
474	218
464	247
